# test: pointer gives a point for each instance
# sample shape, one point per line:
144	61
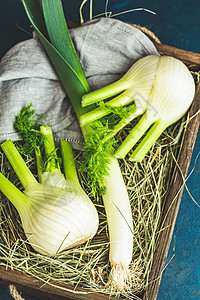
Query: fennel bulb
162	89
172	93
56	213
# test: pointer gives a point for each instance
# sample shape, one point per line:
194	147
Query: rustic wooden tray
36	287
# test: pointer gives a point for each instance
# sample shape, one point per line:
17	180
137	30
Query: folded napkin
106	48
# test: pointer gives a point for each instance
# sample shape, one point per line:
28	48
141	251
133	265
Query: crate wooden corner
36	287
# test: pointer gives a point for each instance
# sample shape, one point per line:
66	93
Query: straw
87	266
106	13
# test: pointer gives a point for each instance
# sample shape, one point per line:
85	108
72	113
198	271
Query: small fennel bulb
56	213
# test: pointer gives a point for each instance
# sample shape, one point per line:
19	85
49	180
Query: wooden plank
173	201
49	290
191	59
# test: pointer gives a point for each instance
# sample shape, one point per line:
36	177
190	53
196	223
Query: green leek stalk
65	63
56	213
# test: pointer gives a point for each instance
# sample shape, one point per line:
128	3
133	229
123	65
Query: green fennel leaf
27	124
96	157
119	111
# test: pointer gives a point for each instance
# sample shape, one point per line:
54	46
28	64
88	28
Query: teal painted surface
176	23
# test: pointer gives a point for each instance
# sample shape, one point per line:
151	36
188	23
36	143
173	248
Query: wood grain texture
191	59
50	290
47	291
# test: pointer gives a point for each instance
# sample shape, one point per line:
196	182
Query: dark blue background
176	23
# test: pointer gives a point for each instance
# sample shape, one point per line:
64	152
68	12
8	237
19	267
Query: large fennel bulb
162	89
172	93
56	213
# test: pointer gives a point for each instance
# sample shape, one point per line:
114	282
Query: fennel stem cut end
18	164
104	93
16	197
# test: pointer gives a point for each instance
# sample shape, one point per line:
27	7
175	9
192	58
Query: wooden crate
37	288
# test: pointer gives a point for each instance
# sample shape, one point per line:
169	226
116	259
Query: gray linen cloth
106	48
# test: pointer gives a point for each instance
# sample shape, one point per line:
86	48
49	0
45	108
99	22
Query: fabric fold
106	48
